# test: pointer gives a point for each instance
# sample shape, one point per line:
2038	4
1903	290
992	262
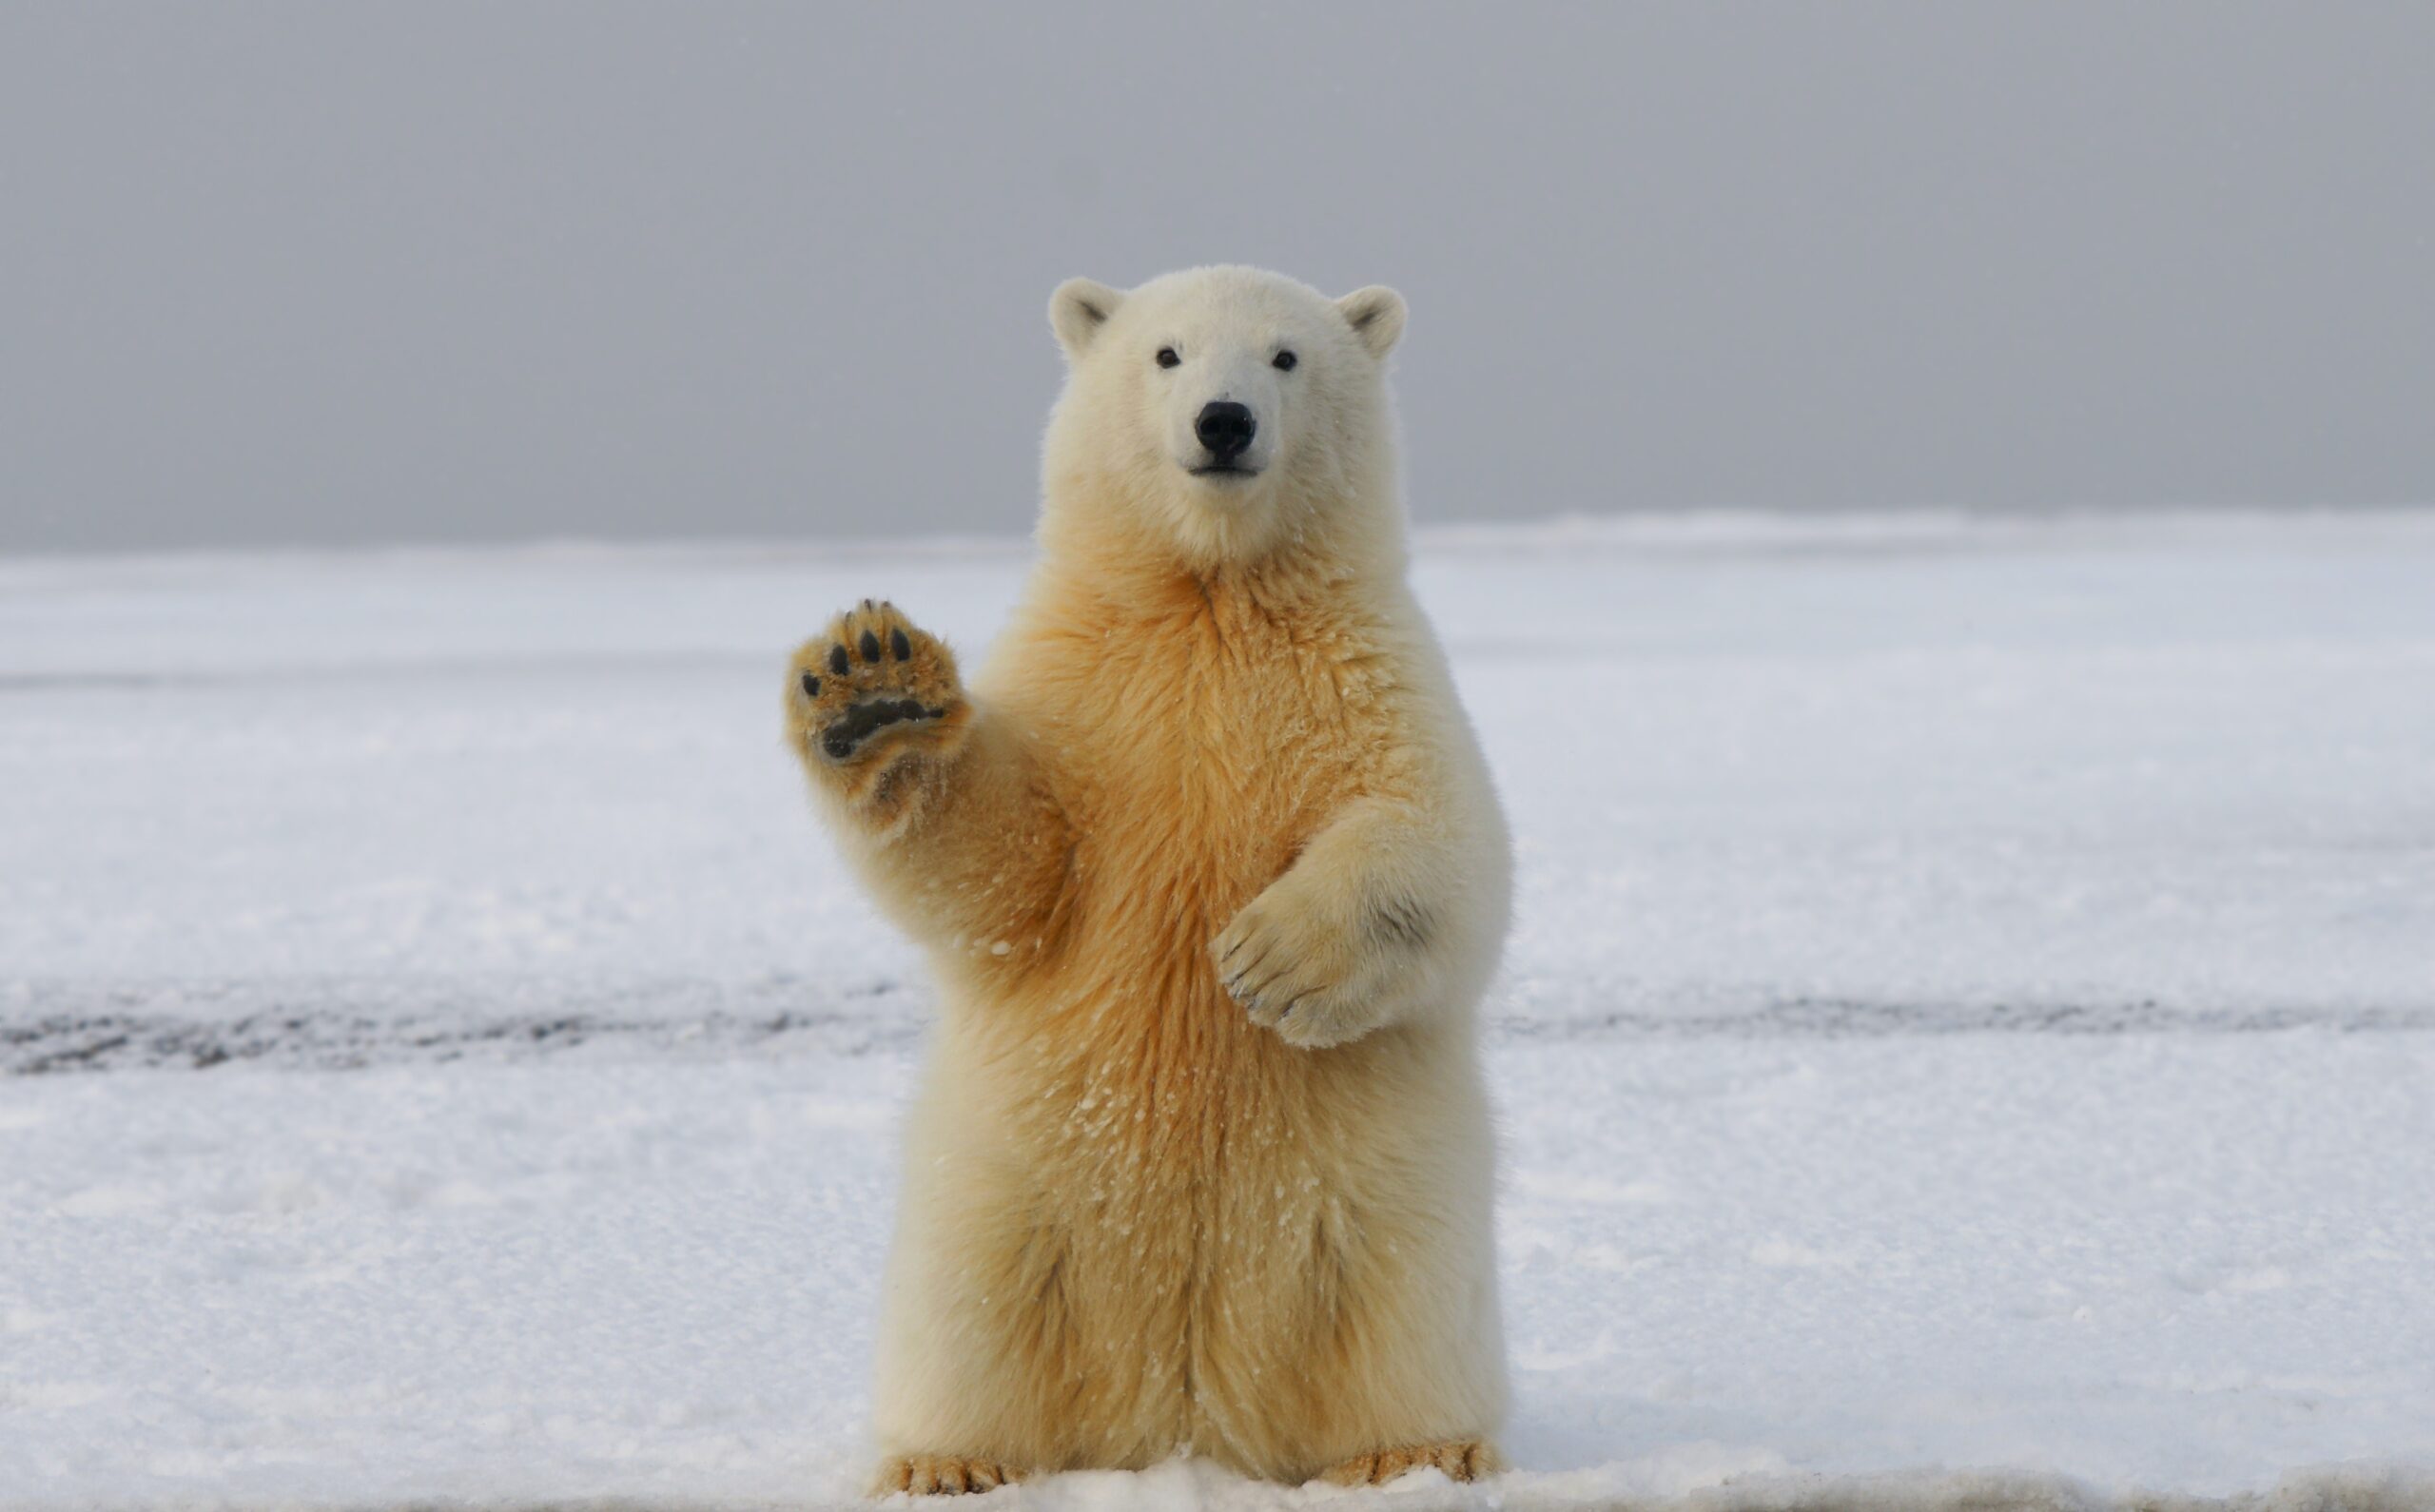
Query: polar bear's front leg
945	807
1372	923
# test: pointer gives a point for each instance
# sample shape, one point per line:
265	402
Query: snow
1966	1039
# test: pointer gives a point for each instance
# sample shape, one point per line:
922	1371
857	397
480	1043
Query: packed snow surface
1969	1035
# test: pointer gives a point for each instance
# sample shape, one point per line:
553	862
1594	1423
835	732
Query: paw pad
874	678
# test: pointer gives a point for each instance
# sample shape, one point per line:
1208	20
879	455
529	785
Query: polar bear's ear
1376	316
1077	311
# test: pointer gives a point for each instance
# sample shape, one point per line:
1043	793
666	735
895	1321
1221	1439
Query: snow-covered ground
1972	1010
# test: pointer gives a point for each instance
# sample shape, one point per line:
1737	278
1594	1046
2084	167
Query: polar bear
1210	871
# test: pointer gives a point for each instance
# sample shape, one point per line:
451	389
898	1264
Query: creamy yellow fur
1212	877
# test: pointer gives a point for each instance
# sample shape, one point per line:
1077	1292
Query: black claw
900	645
870	647
810	686
837	662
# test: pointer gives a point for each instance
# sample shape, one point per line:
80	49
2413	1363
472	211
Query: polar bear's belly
1204	1207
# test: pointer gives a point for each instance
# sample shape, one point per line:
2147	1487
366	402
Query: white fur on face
1126	433
1226	363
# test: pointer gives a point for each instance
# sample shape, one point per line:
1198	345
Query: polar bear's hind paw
1457	1460
942	1475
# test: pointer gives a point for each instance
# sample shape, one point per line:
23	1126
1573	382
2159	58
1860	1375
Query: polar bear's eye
1285	361
1167	356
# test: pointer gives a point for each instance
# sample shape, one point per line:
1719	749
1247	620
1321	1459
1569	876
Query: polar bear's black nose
1226	428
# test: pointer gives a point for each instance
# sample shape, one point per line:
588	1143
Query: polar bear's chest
1199	752
1230	779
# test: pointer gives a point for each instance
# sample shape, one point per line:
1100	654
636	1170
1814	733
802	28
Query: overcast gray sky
367	272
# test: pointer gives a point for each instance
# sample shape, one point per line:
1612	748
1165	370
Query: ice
1965	1040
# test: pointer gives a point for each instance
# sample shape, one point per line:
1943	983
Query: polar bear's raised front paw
871	683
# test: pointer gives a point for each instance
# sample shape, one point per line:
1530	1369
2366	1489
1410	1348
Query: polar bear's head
1223	414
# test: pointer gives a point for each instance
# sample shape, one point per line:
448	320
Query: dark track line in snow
346	1023
58	1028
1814	1018
340	1041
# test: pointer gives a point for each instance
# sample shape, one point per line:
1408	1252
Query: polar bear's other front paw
1297	970
871	683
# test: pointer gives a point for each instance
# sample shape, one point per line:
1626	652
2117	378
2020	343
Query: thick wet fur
1209	868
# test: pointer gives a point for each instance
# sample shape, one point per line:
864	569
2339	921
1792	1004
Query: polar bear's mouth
1223	470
